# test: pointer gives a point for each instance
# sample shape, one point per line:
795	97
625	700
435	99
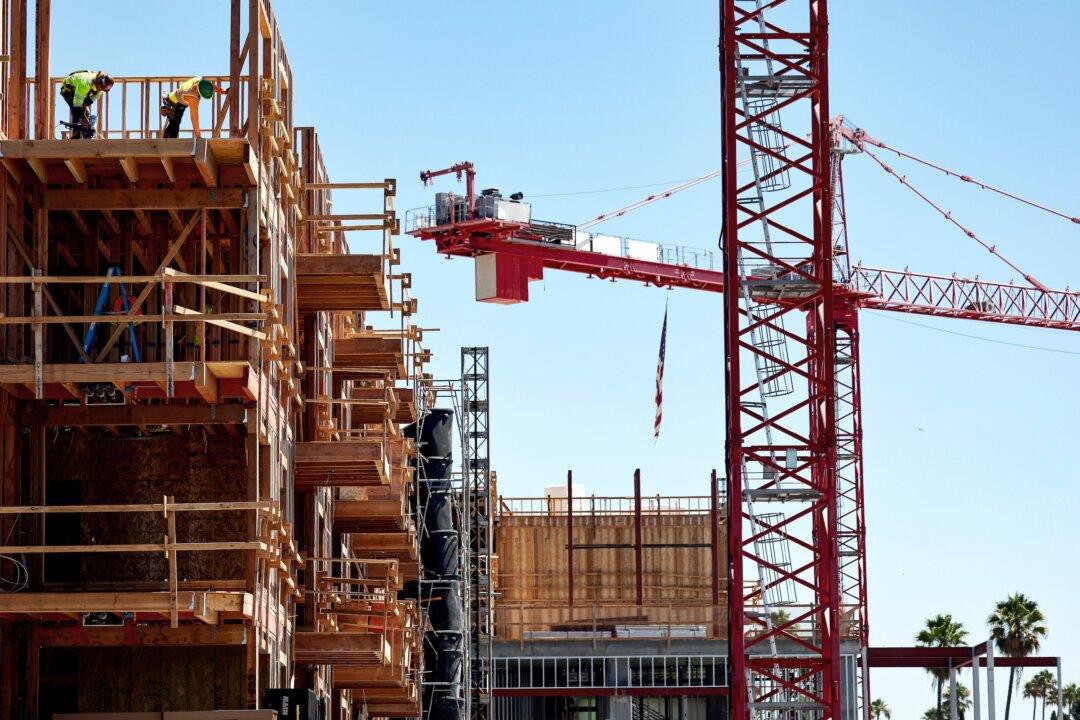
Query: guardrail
165	300
130	110
598	505
269	541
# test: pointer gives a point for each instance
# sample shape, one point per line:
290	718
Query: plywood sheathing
191	466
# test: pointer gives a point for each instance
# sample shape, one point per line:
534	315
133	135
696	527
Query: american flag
660	378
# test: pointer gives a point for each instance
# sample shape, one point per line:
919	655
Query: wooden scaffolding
205	487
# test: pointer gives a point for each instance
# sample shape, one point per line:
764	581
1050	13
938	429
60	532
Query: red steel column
570	538
714	547
637	537
714	538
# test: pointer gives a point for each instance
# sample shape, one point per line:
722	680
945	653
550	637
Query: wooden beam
219	321
143	220
258	546
131	635
131	169
344	216
200	507
81	602
128	415
347	185
206	383
170	168
113	149
111	220
206	162
77	168
38	166
129	199
83	227
92	372
331	229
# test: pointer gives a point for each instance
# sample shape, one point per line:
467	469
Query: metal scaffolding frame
477	528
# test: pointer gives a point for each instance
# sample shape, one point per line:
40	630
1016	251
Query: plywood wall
192	466
142	679
533	572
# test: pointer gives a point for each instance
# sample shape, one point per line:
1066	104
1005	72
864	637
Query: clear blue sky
971	478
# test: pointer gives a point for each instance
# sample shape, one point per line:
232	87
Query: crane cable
968	179
603	217
685	185
948	216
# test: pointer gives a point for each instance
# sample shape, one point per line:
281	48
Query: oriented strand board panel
102	469
142	679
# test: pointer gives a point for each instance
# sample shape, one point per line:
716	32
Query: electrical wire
1040	348
22	576
22	573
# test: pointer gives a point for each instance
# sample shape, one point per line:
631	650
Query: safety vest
81	83
185	89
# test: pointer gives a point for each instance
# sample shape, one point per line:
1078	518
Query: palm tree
780	617
878	710
963	702
941	631
1031	690
1046	687
1017	627
1070	695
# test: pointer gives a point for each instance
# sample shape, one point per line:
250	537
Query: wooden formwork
614	568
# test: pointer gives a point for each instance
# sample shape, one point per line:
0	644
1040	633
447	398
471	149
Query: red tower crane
794	418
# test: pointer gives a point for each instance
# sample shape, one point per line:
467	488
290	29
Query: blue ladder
99	308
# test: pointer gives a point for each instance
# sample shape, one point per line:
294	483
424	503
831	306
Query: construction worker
187	95
80	90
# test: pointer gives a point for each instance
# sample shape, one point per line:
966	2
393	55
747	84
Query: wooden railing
130	110
158	307
358	596
270	540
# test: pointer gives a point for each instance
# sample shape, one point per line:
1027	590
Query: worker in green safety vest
187	96
80	90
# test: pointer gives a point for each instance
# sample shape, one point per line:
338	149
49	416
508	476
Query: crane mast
781	405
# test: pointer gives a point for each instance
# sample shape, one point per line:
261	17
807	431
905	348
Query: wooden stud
170	554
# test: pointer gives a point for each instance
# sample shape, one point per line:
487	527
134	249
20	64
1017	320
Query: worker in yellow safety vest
187	95
80	90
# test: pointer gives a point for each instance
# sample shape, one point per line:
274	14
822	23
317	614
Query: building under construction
233	488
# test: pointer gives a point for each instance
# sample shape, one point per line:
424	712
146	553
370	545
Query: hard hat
105	80
206	89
